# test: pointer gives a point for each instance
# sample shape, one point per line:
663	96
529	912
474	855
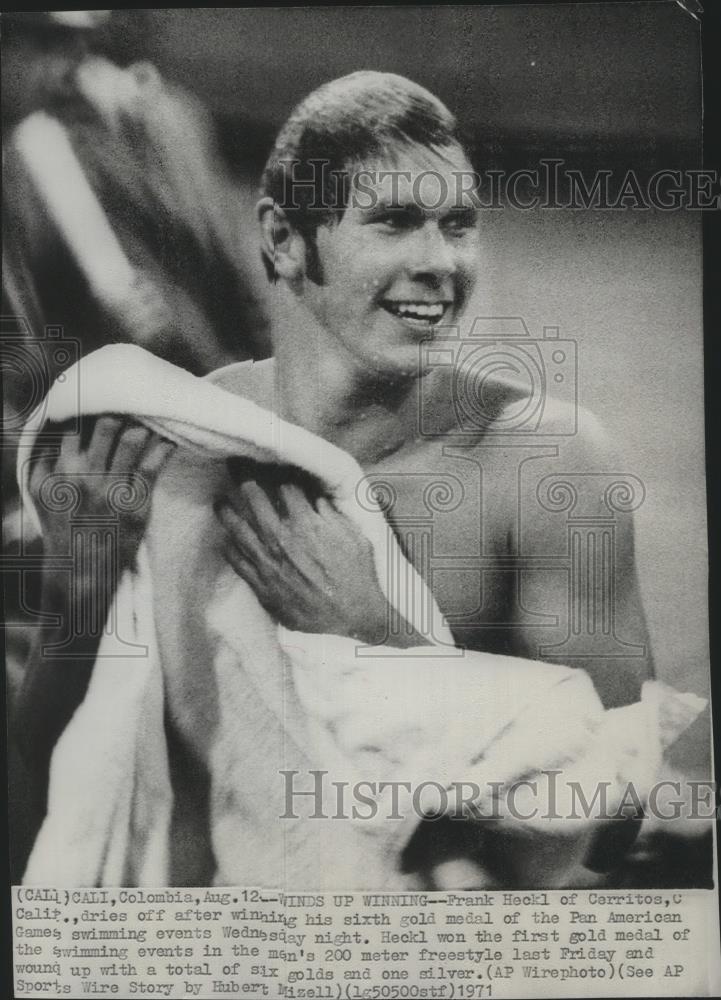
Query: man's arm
593	589
619	674
110	451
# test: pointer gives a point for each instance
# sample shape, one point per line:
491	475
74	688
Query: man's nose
432	255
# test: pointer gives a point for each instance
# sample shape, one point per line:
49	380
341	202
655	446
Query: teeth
419	310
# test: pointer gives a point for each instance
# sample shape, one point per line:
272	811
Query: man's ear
281	244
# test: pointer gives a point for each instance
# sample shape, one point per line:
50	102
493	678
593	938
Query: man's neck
322	387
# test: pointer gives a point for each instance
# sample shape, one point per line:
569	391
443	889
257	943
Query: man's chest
451	508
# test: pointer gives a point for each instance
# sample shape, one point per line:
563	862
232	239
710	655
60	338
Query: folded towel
259	710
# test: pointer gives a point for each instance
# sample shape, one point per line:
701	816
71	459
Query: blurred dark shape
120	223
147	153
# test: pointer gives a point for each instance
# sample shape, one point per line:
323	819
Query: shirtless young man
360	291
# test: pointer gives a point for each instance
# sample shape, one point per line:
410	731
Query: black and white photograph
354	495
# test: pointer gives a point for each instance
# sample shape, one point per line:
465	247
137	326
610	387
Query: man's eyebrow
385	205
462	212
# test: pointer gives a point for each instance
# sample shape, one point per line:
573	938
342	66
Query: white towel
253	700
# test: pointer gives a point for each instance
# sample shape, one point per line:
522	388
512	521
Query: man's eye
394	220
460	222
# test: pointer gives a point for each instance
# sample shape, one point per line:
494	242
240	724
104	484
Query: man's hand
111	454
308	565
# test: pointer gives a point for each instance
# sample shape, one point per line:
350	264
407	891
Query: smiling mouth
423	314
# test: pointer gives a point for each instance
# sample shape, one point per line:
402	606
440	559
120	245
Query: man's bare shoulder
589	447
501	413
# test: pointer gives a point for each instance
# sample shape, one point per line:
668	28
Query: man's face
402	261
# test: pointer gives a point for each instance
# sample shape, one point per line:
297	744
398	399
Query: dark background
574	80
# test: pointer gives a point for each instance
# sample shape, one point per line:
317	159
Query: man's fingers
156	454
246	570
97	432
326	509
44	453
255	504
102	443
296	504
67	438
131	442
49	456
242	534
